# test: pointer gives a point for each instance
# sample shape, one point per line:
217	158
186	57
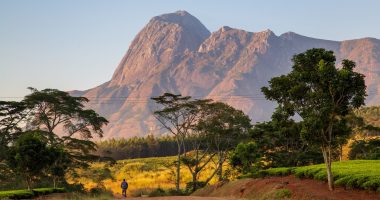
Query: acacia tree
322	95
225	127
178	114
52	110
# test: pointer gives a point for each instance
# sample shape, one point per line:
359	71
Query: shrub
283	193
198	184
159	192
17	194
27	194
365	150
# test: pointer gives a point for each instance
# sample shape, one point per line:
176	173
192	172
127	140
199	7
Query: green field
360	174
26	194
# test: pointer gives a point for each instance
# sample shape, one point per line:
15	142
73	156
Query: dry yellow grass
143	175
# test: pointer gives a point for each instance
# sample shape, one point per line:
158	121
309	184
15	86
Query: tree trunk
220	170
178	178
194	181
327	157
29	183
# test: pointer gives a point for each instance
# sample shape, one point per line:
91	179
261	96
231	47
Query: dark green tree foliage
322	95
51	108
29	156
281	145
246	157
225	127
365	150
11	115
49	112
138	147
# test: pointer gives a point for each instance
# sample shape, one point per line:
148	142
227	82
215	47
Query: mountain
176	53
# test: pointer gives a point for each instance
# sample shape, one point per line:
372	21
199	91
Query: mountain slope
176	53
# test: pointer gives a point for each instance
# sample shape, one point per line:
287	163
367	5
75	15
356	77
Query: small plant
283	193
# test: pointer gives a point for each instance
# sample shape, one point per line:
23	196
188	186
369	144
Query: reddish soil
301	189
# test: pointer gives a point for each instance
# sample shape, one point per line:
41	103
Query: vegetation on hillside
358	174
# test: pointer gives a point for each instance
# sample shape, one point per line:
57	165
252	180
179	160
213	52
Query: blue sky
77	44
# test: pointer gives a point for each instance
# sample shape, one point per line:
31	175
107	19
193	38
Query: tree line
137	147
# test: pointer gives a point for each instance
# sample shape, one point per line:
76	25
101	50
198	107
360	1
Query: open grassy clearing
144	175
360	174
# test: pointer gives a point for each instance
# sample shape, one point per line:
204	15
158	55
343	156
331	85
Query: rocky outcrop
176	53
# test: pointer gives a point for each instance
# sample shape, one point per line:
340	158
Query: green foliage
365	150
246	157
159	192
29	156
358	174
17	194
192	186
51	107
138	147
371	119
323	96
28	194
280	171
283	193
280	143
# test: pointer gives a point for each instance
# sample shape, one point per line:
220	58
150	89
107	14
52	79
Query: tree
280	143
246	156
51	108
12	114
177	114
225	127
29	156
322	95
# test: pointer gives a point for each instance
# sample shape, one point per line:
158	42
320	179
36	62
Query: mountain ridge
176	53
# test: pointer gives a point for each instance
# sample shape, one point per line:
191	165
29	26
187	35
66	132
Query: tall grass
144	175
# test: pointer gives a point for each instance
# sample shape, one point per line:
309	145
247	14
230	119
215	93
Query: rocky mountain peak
158	45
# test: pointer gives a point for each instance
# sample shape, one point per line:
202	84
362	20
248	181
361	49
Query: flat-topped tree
322	95
178	114
51	108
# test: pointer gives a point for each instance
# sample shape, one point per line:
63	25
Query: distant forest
150	146
137	147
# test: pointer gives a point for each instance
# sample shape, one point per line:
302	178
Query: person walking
124	187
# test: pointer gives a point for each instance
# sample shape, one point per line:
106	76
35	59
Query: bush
283	193
17	194
198	184
159	192
359	174
365	150
27	194
281	171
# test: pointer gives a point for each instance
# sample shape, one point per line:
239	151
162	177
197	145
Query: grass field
143	175
361	174
27	194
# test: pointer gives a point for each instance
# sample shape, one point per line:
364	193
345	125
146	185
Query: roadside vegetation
353	174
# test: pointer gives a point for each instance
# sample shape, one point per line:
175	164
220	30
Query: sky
77	44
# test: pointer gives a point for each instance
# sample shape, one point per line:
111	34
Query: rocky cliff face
176	53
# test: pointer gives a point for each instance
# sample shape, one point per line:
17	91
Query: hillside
176	53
